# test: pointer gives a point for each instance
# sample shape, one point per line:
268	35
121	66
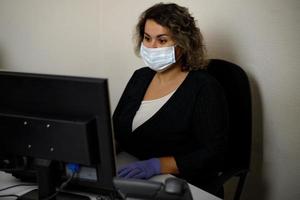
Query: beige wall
94	38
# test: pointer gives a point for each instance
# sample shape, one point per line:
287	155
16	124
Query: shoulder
143	72
202	83
140	77
202	77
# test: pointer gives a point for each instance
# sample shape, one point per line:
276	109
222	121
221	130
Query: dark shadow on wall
221	46
256	187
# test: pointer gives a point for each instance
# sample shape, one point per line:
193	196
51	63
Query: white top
148	109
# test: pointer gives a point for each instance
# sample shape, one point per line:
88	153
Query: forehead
154	29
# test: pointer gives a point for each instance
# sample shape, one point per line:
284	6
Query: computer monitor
56	120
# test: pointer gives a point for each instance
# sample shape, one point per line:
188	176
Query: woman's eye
146	39
162	41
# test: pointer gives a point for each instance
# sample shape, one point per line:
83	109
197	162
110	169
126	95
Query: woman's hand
141	169
147	168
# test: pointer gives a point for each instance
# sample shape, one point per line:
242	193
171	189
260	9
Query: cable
61	187
18	185
9	170
9	195
74	169
123	196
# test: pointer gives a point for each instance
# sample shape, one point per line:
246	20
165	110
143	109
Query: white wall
94	38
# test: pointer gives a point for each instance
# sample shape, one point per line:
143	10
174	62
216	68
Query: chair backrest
237	89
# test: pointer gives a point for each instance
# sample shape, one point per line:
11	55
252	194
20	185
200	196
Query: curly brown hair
184	31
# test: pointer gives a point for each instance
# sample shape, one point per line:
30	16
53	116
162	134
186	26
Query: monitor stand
34	195
48	176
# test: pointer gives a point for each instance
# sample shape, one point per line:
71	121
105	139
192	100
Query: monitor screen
57	120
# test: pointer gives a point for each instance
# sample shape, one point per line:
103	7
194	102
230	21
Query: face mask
158	59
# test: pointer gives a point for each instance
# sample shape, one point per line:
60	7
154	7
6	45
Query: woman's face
156	35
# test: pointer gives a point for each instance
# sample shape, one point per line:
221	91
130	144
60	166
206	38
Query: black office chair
237	89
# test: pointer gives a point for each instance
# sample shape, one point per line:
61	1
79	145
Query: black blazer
191	125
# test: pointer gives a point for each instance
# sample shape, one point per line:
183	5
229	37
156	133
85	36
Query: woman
172	115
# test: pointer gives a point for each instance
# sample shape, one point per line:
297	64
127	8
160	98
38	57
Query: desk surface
7	180
197	193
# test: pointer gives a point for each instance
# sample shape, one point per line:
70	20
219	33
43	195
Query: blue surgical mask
158	59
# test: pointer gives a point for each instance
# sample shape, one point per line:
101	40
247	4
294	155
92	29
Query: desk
123	158
8	180
197	193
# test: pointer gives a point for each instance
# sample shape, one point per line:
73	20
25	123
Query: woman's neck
170	75
165	82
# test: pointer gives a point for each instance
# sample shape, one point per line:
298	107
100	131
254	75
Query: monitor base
33	195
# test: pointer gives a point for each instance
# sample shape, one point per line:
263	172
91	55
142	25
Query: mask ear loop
178	53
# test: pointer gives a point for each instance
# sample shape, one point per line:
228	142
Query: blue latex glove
141	169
